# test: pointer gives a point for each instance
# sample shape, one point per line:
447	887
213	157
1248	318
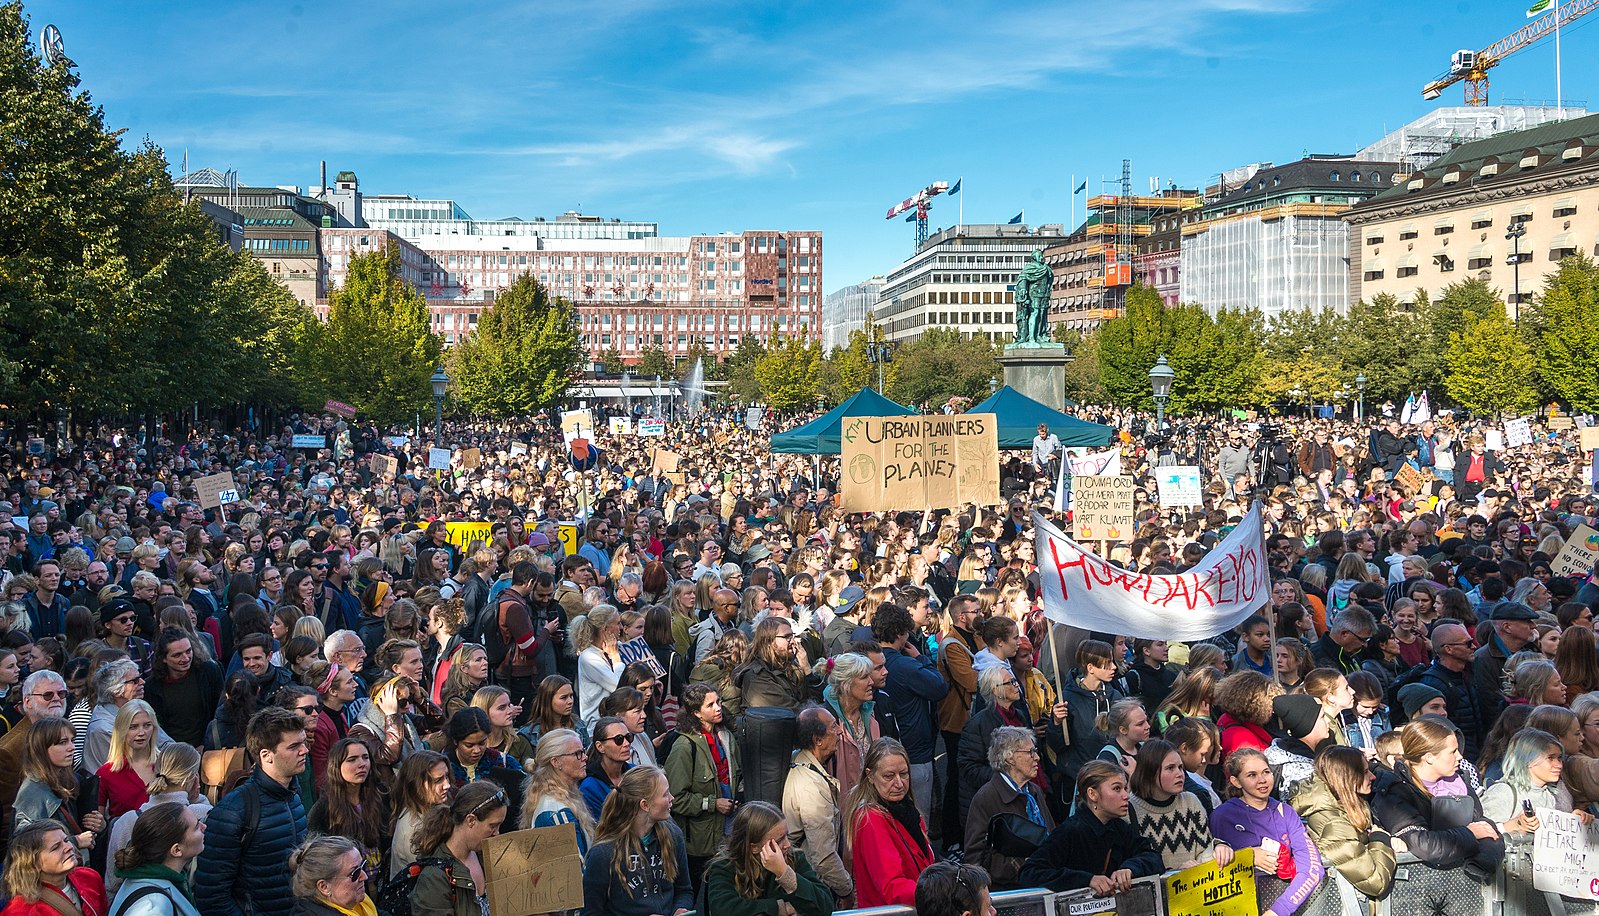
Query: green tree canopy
942	364
524	352
787	374
1490	368
1564	323
379	349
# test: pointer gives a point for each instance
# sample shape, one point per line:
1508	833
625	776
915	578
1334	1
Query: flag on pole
1081	187
956	189
911	218
1423	411
1539	8
1015	219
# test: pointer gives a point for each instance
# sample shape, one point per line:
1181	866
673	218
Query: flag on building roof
1083	186
1015	219
1539	8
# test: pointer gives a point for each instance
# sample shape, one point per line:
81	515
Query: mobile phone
1526	807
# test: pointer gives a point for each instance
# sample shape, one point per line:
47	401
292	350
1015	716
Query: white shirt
1045	448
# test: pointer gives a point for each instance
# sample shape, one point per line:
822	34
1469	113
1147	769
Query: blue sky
716	116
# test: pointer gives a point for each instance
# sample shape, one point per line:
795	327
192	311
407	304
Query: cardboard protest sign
1518	432
938	462
1589	437
533	871
575	423
1179	486
385	465
1411	478
1102	508
439	459
637	650
1565	855
471	457
664	460
1577	557
1215	891
210	487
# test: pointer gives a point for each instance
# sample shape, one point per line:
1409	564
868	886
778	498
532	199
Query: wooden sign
385	465
533	871
1102	508
933	462
210	488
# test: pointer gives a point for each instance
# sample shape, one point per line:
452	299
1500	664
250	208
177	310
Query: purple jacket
1239	826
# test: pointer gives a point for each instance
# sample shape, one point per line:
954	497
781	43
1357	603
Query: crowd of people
745	697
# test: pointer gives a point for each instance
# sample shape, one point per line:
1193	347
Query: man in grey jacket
1234	457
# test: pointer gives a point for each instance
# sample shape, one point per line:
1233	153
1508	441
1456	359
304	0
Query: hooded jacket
1434	829
1083	707
1365	859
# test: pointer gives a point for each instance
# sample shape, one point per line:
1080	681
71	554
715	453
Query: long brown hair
544	715
36	764
479	797
1577	658
358	811
743	848
765	649
638	785
409	785
1343	770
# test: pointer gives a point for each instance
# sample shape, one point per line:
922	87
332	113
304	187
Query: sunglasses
357	873
617	740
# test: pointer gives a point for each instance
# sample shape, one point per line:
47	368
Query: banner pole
1271	609
1054	664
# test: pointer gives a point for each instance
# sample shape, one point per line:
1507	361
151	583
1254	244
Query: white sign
1179	486
1099	464
225	497
1565	855
1084	590
621	426
439	459
396	441
752	417
1493	440
1518	432
652	427
309	441
518	448
576	423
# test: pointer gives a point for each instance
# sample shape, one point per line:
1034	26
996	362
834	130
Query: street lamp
441	383
1360	406
879	353
1160	383
1513	236
993	385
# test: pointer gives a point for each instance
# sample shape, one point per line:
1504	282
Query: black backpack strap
141	893
250	819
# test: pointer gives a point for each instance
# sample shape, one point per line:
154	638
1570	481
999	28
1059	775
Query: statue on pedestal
1032	303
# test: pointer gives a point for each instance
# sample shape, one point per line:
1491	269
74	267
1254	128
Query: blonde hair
22	868
177	766
545	782
640	784
119	755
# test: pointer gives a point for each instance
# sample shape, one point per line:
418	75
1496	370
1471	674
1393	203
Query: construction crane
1473	66
923	200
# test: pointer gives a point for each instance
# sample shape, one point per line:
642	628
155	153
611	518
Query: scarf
157	872
905	812
364	908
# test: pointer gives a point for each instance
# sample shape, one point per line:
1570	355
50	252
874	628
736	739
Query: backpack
491	635
1396	712
131	899
395	897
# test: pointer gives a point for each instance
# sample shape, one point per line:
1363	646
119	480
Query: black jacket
1082	708
1434	829
972	752
1460	699
1082	847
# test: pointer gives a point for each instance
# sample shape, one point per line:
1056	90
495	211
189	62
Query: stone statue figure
1032	302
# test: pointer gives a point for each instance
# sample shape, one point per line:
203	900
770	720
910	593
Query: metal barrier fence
1418	891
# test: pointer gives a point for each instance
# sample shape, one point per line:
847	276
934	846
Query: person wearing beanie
1304	729
1422	700
118	619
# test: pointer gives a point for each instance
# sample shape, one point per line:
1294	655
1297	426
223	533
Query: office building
1124	239
847	311
963	278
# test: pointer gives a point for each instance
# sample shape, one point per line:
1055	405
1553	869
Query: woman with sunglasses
455	833
609	760
553	795
329	878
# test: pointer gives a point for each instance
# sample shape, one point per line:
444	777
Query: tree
941	364
1564	326
379	349
1390	345
1318	375
1082	371
1490	368
1189	338
525	350
611	361
652	363
848	369
787	374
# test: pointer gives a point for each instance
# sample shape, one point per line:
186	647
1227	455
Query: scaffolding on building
1276	259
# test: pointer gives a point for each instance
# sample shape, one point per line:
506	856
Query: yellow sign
1206	890
569	539
463	534
935	462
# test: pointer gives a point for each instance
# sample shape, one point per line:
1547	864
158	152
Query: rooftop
1545	140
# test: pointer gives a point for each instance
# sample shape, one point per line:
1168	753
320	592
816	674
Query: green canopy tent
820	436
1019	416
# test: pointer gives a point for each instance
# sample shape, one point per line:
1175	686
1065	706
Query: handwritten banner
385	465
1087	591
1098	464
938	462
1578	556
533	871
1211	890
637	650
1565	855
339	407
1518	432
1102	508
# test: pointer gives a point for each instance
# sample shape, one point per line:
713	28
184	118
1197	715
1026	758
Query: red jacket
1236	734
887	861
88	884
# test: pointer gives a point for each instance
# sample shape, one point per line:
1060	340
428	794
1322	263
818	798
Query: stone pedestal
1037	371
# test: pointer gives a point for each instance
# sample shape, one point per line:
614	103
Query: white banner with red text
1087	591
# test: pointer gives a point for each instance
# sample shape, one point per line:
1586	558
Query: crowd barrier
1418	891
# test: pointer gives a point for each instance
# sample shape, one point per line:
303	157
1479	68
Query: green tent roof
820	436
1019	416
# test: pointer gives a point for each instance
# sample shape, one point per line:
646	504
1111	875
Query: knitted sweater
1178	827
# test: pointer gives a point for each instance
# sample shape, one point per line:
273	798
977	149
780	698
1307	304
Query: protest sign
576	423
209	488
1215	890
1518	432
1108	463
339	407
396	441
385	465
1493	440
518	448
1087	591
471	458
568	533
1577	557
1102	508
637	650
753	416
1179	486
533	871
307	441
620	426
1411	477
462	534
1565	855
439	459
1589	437
652	427
936	462
664	460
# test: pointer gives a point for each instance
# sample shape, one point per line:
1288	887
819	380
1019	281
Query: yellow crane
1473	66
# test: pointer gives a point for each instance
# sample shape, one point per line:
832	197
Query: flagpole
1560	105
960	220
1071	214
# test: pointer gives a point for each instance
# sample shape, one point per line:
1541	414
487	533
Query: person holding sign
1533	764
1288	868
1096	847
